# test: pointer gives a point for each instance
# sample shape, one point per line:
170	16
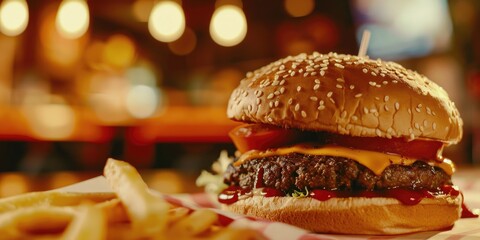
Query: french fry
177	213
237	234
196	223
89	223
147	212
15	224
50	198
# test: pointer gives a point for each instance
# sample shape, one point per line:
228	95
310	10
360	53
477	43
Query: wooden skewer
362	52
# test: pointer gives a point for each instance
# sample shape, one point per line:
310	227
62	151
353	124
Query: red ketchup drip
467	213
322	195
259	179
272	192
230	195
407	197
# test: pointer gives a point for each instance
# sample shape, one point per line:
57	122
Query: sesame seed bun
354	215
348	95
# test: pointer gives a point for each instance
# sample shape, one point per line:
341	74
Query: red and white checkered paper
464	229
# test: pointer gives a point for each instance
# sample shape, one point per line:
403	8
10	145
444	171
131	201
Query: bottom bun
355	215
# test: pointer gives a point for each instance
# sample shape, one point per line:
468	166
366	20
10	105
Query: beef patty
297	171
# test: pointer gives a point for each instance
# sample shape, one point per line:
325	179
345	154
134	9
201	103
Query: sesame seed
386	98
321	107
386	108
352	87
270	96
276	93
344	114
322	73
373	73
382	74
365	110
329	94
425	122
434	126
313	73
354	118
412	136
317	81
394	81
270	104
397	106
372	83
358	95
339	65
321	102
290	101
385	82
276	77
258	101
305	74
364	70
417	126
299	88
313	98
300	71
297	107
304	114
378	132
417	109
249	108
316	87
340	80
331	100
282	82
292	73
282	90
377	98
270	119
373	110
339	86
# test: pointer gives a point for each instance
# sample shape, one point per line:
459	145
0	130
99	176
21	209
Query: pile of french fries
132	211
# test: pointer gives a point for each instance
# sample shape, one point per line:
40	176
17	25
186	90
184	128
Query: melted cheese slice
375	161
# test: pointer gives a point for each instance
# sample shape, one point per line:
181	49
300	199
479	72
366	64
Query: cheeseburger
343	144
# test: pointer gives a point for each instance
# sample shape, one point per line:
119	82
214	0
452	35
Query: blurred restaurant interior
148	81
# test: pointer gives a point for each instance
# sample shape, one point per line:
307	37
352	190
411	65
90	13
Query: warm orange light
167	21
299	8
13	184
73	18
119	51
141	9
185	44
228	26
51	121
13	17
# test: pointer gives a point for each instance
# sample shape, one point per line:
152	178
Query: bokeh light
299	8
167	21
13	17
119	51
141	101
141	9
141	75
228	26
185	44
73	18
52	120
12	184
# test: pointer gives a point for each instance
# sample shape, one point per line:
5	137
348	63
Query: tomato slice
262	137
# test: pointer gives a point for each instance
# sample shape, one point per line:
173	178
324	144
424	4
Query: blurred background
148	81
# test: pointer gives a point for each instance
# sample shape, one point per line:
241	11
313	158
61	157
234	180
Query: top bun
349	95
